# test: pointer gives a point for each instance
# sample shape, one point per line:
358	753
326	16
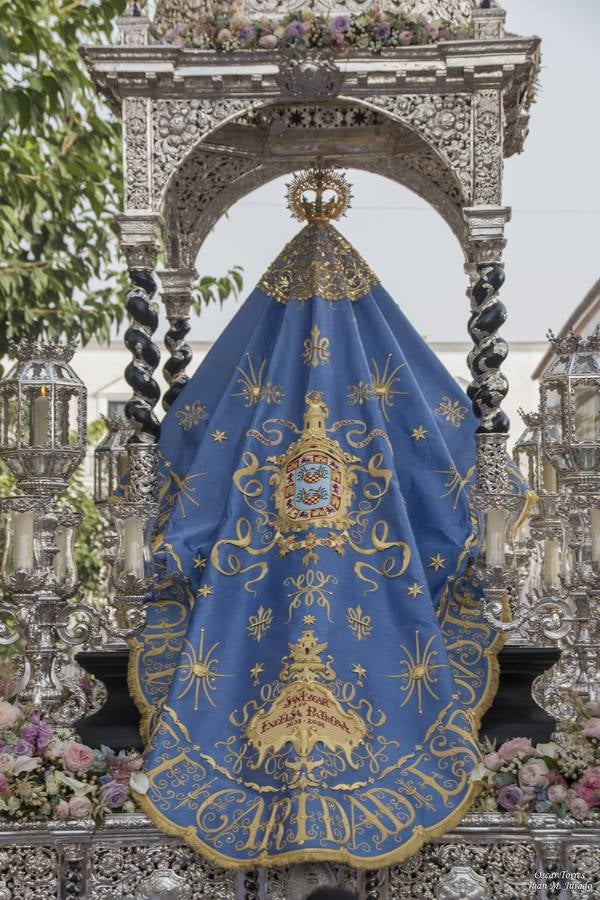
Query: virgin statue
315	662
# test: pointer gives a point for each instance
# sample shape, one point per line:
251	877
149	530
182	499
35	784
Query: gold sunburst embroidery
419	671
253	387
382	387
197	671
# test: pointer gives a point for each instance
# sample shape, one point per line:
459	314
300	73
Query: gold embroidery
253	387
437	562
455	483
313	484
360	672
309	620
219	436
207	590
359	623
198	671
318	262
415	590
419	433
259	624
310	587
382	387
451	411
419	671
191	414
316	349
255	673
306	712
387	570
200	562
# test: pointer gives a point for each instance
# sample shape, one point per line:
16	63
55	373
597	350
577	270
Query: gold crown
319	181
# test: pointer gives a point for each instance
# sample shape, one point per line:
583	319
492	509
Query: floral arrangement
561	777
228	28
46	774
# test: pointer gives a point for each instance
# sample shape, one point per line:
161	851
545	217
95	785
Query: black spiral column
177	298
146	357
489	386
251	885
140	246
372	885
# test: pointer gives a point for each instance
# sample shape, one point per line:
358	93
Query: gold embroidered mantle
318	262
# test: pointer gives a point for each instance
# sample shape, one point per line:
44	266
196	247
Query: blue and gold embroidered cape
315	662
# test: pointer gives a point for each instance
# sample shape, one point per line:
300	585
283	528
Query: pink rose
80	807
6	761
77	757
515	747
3	784
433	31
224	35
578	807
61	810
591	778
592	728
9	713
492	761
592	707
405	38
557	793
534	774
267	41
586	793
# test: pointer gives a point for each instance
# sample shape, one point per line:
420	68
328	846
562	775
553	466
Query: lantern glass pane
553	417
587	412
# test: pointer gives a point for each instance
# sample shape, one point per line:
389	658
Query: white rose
138	782
549	750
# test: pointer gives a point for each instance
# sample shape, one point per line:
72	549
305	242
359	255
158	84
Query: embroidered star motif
205	591
309	620
437	562
219	436
200	562
419	433
256	671
415	589
360	672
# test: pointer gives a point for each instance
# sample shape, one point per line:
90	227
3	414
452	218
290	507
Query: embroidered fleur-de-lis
191	414
451	411
359	623
259	624
316	349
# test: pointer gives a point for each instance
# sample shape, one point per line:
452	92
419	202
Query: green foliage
60	174
216	290
60	177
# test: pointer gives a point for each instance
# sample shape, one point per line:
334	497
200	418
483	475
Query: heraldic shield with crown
315	661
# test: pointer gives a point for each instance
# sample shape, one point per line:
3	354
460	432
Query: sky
553	187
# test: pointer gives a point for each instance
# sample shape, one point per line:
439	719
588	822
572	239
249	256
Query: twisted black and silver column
146	357
251	885
177	298
372	885
489	386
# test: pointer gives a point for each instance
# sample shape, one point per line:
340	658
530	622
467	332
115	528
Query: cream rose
9	713
534	774
80	807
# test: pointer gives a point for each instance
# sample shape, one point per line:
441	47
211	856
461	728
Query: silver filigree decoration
444	122
180	124
462	883
488	162
309	77
136	112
